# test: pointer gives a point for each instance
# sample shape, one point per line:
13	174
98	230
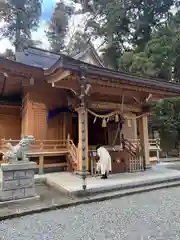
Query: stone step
130	187
137	190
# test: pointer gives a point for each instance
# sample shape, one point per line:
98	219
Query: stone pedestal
17	181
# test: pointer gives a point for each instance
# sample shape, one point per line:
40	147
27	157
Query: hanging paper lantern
104	123
116	118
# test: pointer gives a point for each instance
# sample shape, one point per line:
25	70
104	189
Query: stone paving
152	215
171	165
73	183
50	198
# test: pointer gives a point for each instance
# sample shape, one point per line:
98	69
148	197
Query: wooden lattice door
40	124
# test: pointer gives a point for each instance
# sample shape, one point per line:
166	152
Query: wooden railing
39	145
72	149
130	147
135	142
41	151
136	163
153	143
49	145
135	160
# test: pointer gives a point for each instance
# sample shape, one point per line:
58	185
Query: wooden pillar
157	155
144	139
83	127
134	120
64	126
67	124
41	164
27	117
83	139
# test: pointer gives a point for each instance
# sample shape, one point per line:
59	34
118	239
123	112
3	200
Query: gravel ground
152	215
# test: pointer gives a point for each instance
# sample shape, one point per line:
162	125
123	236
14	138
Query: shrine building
72	104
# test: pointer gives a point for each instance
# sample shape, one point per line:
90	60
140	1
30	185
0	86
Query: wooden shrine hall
72	104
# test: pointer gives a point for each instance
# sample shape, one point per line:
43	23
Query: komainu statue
18	153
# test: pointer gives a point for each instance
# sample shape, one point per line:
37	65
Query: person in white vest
104	162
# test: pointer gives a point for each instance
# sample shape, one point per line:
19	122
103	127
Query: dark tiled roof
68	63
92	51
37	57
45	59
51	62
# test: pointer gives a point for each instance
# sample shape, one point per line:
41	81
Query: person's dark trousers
104	176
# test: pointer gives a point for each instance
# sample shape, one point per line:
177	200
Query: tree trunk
18	34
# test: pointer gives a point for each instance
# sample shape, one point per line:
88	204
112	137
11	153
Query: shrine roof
42	62
37	57
17	68
77	66
90	50
45	59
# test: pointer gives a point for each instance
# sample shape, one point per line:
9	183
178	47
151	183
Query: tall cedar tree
58	26
125	24
20	18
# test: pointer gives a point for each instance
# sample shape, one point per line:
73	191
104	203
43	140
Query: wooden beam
115	106
67	83
116	91
123	86
10	106
59	76
67	88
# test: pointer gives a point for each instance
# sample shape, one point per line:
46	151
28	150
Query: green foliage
123	25
59	30
138	63
161	53
166	120
110	20
78	43
58	26
147	16
9	54
126	25
20	18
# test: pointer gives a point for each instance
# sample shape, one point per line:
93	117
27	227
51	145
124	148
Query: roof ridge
96	55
